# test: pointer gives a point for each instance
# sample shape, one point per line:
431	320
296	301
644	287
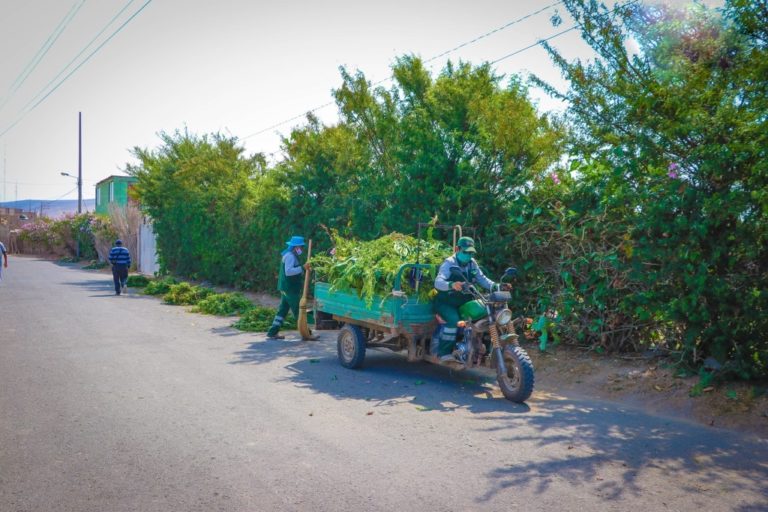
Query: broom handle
306	275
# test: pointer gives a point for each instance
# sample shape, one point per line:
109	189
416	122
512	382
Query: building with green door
113	190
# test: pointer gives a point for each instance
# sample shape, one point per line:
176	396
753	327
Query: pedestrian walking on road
5	260
289	283
120	259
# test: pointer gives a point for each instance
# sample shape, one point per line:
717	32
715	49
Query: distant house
113	190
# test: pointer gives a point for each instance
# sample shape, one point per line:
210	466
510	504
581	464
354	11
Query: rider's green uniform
448	301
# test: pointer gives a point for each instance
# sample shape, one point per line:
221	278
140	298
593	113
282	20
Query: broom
304	330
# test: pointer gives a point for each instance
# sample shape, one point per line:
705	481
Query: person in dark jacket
120	259
289	283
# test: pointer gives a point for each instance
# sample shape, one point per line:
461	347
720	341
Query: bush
161	286
680	182
225	304
185	294
62	236
259	319
138	281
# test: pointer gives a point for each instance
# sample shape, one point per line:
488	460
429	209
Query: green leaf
543	341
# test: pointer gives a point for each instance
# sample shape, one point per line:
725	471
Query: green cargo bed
397	313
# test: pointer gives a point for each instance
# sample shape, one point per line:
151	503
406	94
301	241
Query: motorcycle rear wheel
517	384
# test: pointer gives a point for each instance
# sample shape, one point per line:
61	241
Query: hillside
51	209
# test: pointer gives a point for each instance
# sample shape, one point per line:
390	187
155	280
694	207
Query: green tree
200	193
674	110
459	146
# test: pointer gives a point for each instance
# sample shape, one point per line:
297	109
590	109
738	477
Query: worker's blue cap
295	241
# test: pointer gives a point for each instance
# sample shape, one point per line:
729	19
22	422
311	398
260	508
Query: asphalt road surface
125	404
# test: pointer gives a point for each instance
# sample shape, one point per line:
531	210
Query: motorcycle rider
455	270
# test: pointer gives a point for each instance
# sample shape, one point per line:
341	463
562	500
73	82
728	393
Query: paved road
124	404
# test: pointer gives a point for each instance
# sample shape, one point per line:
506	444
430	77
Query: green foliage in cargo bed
370	268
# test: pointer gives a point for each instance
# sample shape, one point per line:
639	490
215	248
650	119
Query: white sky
234	66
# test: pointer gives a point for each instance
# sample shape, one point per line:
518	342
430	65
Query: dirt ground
651	384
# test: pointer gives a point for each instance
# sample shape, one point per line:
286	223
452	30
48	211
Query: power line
61	196
42	184
494	31
443	54
32	64
46	46
537	43
24	114
120	12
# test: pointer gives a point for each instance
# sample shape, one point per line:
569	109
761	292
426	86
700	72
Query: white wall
147	250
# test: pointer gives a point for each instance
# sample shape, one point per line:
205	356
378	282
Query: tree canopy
638	218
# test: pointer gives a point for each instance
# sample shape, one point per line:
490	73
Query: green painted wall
119	186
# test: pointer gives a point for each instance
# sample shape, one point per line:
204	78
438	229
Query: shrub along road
123	403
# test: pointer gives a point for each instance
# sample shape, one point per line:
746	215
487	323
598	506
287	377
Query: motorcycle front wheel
517	384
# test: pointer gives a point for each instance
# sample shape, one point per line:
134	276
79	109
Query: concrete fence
147	260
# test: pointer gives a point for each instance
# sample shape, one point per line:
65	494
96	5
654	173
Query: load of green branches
370	268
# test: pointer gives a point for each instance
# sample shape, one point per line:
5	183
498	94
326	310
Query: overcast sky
231	66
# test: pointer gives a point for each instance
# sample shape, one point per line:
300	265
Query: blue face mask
463	257
298	250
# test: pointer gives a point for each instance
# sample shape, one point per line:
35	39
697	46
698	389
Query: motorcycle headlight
504	317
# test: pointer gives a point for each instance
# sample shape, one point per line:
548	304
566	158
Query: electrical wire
119	13
512	54
443	54
514	22
61	196
537	43
43	184
32	64
120	28
49	201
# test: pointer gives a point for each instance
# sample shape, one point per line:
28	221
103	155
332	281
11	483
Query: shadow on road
264	351
598	435
386	378
581	442
107	288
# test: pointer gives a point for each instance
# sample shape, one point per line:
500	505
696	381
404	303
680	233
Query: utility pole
79	164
